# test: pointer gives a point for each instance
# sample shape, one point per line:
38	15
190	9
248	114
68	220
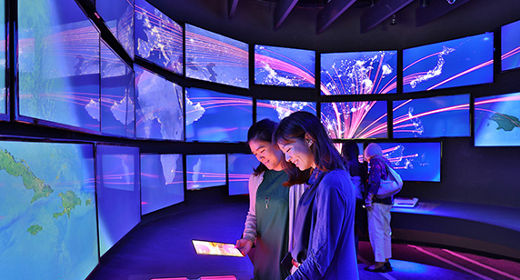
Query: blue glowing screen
158	39
58	64
497	120
277	110
358	73
203	171
118	16
460	62
3	62
415	161
240	167
511	46
117	95
216	58
162	182
47	211
284	66
118	194
359	119
158	110
442	116
214	116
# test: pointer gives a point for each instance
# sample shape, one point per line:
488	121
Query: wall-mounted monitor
162	181
48	211
158	39
277	110
118	193
3	62
497	120
204	171
460	62
117	95
441	116
510	46
217	117
358	73
216	58
285	67
240	167
358	119
118	16
415	161
339	147
58	59
158	109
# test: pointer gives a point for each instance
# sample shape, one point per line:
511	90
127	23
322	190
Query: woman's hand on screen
244	245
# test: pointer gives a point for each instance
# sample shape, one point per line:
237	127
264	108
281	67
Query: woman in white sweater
271	206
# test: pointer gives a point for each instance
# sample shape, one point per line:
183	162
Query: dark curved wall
469	174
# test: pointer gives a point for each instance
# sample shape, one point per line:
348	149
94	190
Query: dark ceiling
343	25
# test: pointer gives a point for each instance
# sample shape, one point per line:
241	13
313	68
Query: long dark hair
350	152
298	124
263	131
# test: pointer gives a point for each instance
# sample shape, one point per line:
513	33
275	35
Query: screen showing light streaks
47	211
3	61
358	73
118	16
277	110
158	109
359	119
442	116
214	116
58	64
511	46
497	120
118	193
415	161
460	62
117	95
203	171
162	181
284	66
216	58
240	167
158	39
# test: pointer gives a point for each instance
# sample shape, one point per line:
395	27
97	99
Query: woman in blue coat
323	231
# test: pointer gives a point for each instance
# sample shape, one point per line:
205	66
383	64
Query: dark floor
160	247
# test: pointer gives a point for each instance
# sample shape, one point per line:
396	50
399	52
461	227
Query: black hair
262	130
350	152
297	125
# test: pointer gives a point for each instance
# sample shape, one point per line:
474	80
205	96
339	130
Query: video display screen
415	161
118	16
118	193
240	167
58	51
358	73
217	117
460	62
216	58
162	181
205	171
117	95
3	61
47	211
277	110
286	67
158	39
158	110
359	119
510	46
497	120
441	116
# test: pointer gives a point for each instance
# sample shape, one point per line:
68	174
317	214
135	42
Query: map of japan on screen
47	211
